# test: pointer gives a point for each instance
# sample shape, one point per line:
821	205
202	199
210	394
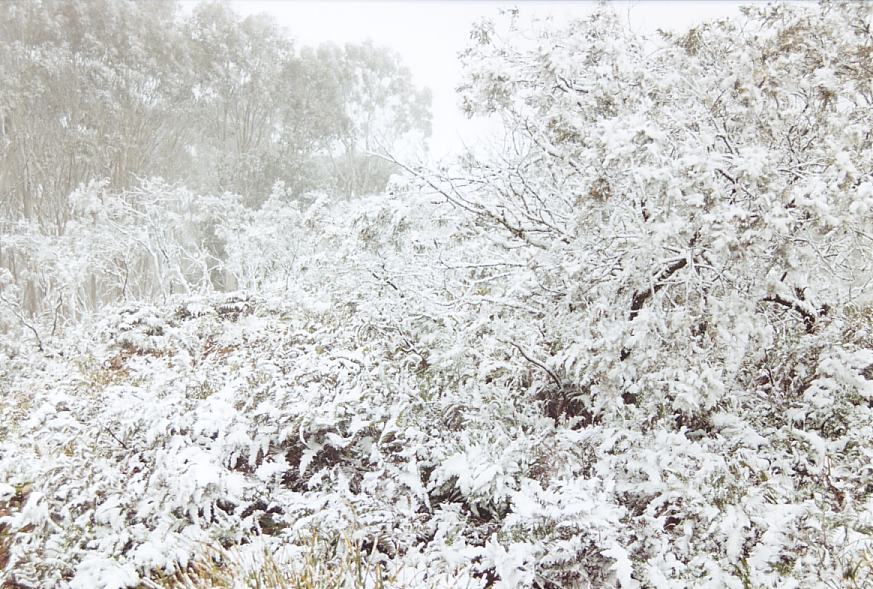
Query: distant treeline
122	90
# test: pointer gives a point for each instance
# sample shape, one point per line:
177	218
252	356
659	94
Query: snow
633	350
96	571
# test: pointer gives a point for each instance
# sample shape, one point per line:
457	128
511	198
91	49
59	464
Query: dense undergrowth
157	443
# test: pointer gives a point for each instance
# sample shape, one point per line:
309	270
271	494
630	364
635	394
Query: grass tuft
324	564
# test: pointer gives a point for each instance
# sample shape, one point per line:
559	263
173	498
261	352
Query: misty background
137	137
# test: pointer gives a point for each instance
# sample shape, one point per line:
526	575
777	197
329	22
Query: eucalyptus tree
90	90
383	108
110	93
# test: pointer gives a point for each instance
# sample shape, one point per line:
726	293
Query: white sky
430	34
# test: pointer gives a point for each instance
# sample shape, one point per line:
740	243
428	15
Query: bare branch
809	318
552	375
641	296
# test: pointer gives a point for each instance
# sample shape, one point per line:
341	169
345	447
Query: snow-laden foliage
632	349
142	244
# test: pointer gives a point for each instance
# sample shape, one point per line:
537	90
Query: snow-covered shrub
145	244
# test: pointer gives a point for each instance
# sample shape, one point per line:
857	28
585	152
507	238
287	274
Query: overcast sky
429	35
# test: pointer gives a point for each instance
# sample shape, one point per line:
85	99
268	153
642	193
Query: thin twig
20	318
114	437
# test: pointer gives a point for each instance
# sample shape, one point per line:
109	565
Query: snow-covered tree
692	215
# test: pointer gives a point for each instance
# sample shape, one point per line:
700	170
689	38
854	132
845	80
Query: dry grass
324	564
7	508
